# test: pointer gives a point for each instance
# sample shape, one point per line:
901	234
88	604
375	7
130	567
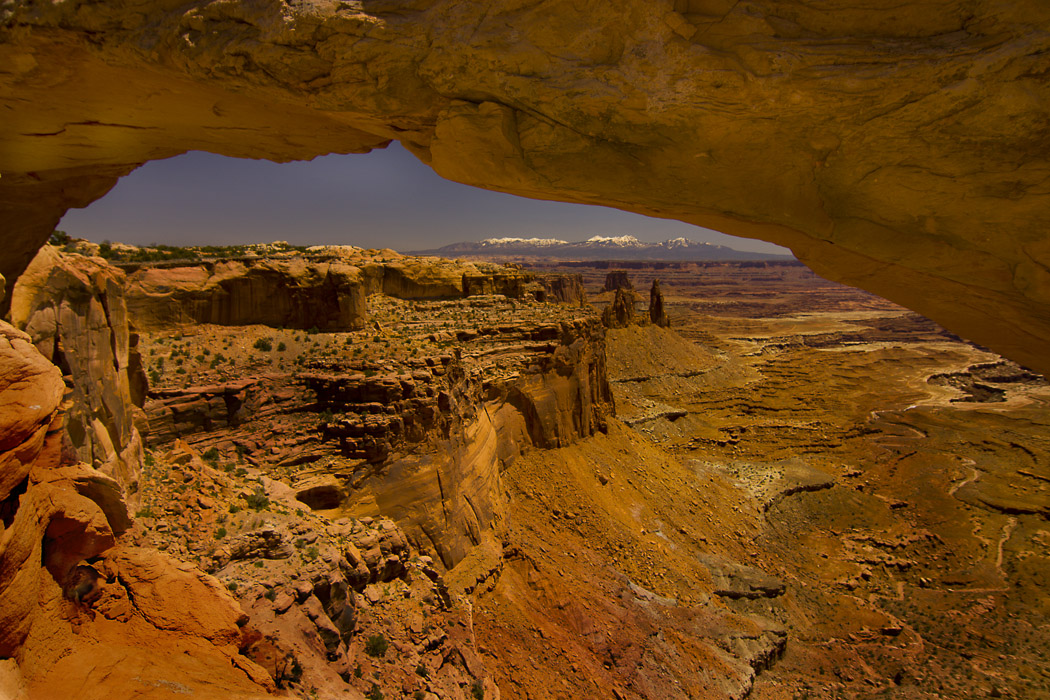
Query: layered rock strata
324	289
294	293
423	443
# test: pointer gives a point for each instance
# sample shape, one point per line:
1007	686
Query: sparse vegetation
263	344
258	500
288	671
375	693
376	646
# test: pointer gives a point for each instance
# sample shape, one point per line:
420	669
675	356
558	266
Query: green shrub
211	456
271	594
376	646
263	344
281	347
234	508
220	533
59	238
478	690
375	693
232	586
358	672
257	500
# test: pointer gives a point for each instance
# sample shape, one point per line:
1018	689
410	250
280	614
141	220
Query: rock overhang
902	149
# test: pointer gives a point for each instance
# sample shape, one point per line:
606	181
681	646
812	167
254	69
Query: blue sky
385	199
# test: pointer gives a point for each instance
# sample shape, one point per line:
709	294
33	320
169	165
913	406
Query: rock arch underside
898	147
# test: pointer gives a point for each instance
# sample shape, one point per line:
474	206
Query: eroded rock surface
74	309
77	602
899	148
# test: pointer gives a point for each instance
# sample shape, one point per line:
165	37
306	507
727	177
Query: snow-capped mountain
505	242
598	248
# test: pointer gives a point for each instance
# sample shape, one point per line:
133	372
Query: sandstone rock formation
657	314
293	292
74	607
566	289
617	279
620	312
74	309
899	148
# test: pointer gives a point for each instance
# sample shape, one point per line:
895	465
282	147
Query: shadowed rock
657	314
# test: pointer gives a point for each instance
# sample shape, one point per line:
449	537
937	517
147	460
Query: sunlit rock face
900	148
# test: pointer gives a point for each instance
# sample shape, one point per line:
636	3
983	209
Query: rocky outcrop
293	292
620	312
509	283
563	289
74	309
657	314
74	607
319	594
617	279
896	148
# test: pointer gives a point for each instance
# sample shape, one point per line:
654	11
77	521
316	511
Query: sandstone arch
898	147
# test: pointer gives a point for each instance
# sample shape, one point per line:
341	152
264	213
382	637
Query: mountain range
598	248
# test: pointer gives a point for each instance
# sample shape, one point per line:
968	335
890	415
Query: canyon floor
806	491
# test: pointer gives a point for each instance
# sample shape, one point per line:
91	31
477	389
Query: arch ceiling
898	147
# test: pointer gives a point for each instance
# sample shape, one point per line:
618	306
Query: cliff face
293	293
424	443
898	148
74	309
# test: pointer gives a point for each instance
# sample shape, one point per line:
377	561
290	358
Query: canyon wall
423	444
902	149
293	293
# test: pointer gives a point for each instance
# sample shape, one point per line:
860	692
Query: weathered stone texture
901	148
73	308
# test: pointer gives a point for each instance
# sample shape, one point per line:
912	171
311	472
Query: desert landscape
660	471
552	480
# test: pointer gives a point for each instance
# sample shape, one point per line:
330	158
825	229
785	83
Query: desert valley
340	473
